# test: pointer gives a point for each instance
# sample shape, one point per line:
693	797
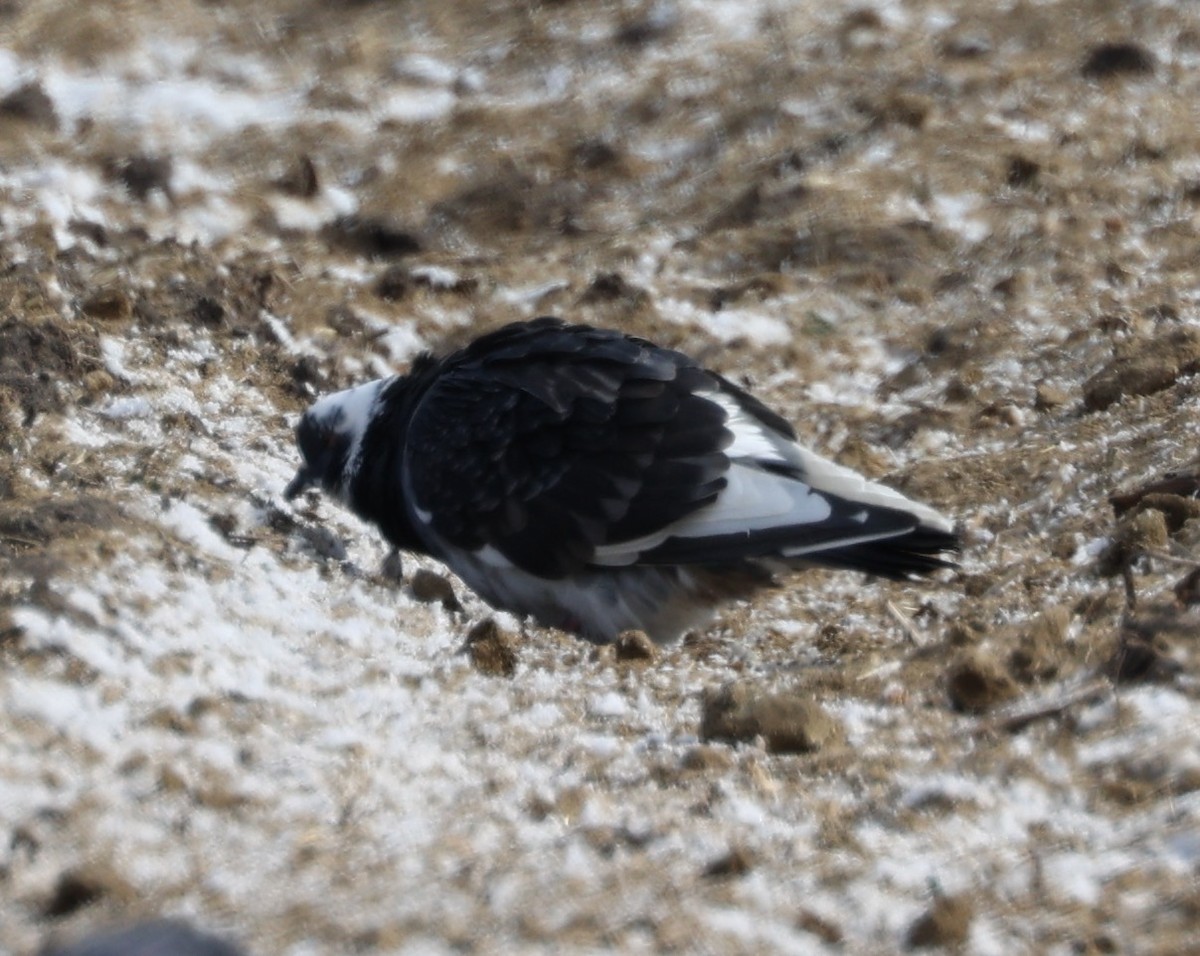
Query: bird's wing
542	443
783	503
555	447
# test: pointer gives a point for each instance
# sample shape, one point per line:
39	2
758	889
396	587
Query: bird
598	483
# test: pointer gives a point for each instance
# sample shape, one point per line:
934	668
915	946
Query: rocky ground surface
957	244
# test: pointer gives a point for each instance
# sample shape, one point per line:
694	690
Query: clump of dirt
976	682
429	587
83	886
1122	57
789	721
31	104
31	524
737	862
635	647
1144	366
1041	647
947	923
491	649
1138	532
42	361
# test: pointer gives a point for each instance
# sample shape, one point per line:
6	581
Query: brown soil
955	243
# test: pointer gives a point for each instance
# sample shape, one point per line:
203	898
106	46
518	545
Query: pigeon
599	483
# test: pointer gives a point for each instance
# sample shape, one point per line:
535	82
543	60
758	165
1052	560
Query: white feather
350	411
825	475
753	500
751	438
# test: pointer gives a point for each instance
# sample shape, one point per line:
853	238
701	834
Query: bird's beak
304	479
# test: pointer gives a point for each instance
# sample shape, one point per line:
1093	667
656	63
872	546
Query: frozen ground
956	245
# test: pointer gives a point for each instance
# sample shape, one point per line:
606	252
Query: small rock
1113	59
1021	172
635	646
491	649
1176	509
429	587
83	886
394	283
704	758
1177	484
209	312
142	174
1047	397
737	862
608	286
107	305
823	929
373	236
30	102
946	923
392	569
975	683
300	179
594	153
99	383
789	722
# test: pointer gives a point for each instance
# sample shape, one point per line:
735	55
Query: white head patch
349	412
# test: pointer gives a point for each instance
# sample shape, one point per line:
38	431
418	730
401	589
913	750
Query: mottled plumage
600	483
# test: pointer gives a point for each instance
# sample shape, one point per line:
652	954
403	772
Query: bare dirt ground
958	245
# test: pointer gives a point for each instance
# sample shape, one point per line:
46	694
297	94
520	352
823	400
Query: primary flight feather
600	483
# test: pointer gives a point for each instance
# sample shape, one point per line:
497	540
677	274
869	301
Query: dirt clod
492	650
30	102
375	237
1143	368
820	927
112	304
429	587
56	353
392	567
1039	651
143	174
946	923
82	886
976	682
1048	397
737	862
300	179
788	721
1138	532
634	646
1115	59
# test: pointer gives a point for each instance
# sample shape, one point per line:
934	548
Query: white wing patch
757	500
825	475
751	438
753	500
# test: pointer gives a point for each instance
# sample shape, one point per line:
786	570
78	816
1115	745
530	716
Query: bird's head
330	436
